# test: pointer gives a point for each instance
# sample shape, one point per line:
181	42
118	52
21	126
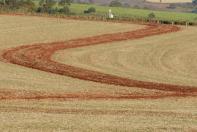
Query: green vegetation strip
131	13
97	12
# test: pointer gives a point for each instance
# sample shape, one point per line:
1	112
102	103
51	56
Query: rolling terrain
72	75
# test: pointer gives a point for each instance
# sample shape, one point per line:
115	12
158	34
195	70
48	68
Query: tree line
44	6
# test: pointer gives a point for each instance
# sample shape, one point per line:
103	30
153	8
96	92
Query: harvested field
61	82
168	58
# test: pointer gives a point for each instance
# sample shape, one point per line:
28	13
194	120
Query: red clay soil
38	56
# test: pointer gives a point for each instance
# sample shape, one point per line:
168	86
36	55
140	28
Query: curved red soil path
38	56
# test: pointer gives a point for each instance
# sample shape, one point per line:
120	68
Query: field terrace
35	100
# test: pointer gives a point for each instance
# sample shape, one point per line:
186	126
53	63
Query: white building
170	1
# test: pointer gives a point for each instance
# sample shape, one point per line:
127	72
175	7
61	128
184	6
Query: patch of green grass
132	13
135	13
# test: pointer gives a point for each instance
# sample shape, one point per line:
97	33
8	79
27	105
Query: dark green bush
64	10
151	16
39	10
90	10
52	10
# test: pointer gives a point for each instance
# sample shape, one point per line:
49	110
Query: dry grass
20	30
134	115
139	59
169	58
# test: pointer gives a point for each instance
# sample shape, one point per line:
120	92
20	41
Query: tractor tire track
38	56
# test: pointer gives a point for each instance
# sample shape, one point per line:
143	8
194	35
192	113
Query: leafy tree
28	4
91	9
42	2
14	4
151	16
52	10
46	6
3	2
64	10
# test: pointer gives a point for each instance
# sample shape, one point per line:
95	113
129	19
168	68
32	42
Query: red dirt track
38	57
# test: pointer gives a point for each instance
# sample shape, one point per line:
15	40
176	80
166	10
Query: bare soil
38	56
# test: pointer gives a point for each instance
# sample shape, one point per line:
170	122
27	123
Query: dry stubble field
151	82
